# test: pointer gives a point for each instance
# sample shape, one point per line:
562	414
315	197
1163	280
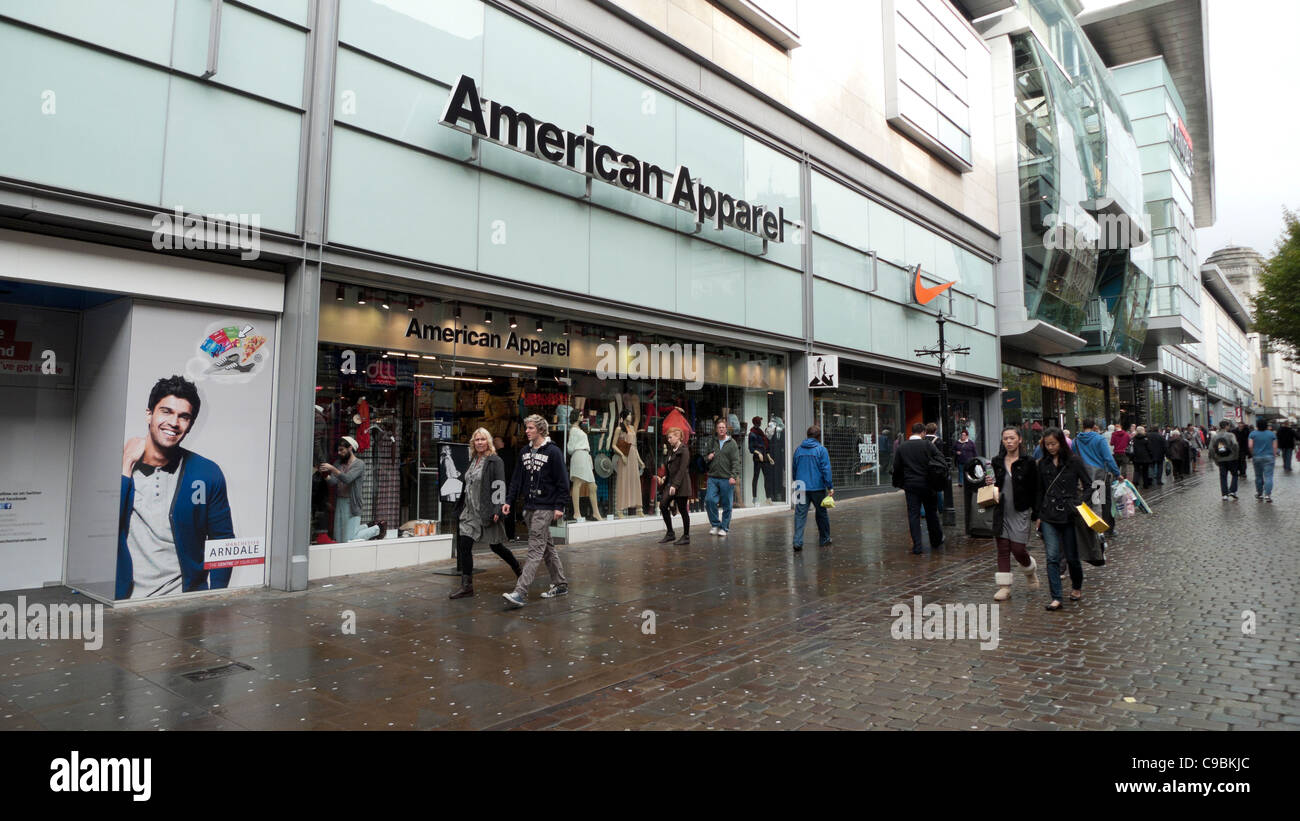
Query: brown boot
466	587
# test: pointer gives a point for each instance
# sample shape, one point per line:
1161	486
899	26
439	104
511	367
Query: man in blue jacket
1096	454
812	476
173	501
544	482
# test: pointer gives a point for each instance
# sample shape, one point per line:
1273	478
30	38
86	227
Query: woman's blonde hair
1141	430
677	431
491	447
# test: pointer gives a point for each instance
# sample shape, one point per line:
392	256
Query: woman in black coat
478	511
676	486
1015	475
1063	479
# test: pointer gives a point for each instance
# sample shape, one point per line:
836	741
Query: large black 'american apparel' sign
489	120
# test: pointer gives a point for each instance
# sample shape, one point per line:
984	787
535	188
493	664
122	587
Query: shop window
412	382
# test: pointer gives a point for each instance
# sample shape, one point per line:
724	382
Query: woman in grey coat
478	511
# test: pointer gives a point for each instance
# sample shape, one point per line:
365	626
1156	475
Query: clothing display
579	449
628	469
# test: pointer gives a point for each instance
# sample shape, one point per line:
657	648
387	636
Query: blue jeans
1227	469
814	498
1056	538
719	492
1286	459
1264	477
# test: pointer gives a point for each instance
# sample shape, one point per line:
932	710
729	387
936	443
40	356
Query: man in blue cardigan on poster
173	502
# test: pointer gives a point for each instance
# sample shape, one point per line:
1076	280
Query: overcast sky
1253	86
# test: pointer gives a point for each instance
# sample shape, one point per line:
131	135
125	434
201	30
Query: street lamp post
945	446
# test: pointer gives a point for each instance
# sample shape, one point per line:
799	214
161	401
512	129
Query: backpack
1221	448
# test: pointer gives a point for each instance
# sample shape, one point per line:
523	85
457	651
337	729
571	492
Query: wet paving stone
724	634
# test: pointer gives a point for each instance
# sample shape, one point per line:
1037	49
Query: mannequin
628	468
583	480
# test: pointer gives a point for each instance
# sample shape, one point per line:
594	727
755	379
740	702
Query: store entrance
851	433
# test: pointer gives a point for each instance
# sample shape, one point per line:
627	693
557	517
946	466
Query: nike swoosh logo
924	294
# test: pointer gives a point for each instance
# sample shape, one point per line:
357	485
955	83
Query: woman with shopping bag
1013	486
1064	481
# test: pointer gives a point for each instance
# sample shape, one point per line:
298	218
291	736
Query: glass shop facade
452	239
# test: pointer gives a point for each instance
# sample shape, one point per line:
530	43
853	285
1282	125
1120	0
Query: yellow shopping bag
828	502
1092	520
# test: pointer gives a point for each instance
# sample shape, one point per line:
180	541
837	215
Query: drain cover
217	672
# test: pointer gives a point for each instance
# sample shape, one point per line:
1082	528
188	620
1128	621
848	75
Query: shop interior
413	411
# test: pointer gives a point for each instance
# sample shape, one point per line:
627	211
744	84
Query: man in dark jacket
543	480
1286	443
1157	448
1141	457
1225	453
1243	447
910	474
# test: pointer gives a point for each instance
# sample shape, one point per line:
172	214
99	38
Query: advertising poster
195	453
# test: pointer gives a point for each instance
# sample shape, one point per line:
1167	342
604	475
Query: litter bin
979	520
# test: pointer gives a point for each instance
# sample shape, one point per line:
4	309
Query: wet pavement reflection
727	633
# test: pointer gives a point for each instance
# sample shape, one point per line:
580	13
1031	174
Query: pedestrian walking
1141	456
1119	442
1224	452
932	435
1016	477
1263	451
1062	476
1100	462
478	511
1243	447
910	474
723	458
1158	449
812	475
1179	455
544	482
963	450
677	490
1286	443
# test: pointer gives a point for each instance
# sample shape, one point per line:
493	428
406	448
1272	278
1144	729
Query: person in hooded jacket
812	473
1016	476
1063	479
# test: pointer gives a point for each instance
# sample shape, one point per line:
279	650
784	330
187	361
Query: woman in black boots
478	511
677	487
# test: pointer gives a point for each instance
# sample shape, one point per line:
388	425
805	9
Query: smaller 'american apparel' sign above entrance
489	120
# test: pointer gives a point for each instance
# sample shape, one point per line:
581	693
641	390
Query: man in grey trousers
543	480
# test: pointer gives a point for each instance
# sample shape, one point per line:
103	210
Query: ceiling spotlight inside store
383	302
514	323
361	296
566	329
539	326
458	312
338	293
410	303
487	317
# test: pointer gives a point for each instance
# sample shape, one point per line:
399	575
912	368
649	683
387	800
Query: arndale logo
77	774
